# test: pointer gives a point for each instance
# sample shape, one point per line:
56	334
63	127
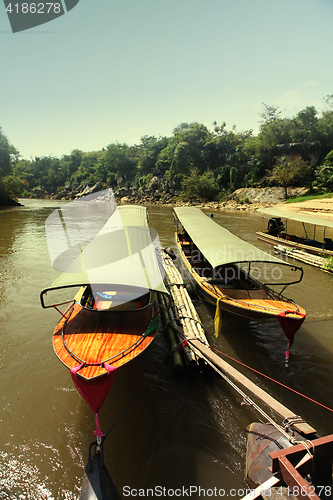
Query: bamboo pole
196	323
280	409
187	351
183	302
173	278
313	260
176	354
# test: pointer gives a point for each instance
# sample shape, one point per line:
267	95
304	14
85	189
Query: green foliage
290	173
199	186
329	159
149	150
8	154
324	177
320	195
223	160
12	186
329	264
324	173
121	159
144	180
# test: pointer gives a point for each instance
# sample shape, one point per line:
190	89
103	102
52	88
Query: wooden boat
279	231
114	315
225	271
285	464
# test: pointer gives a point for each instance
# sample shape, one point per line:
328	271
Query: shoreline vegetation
216	167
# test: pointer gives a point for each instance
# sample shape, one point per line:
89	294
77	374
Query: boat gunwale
300	246
46	290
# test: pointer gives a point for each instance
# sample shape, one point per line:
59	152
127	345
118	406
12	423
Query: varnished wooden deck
96	336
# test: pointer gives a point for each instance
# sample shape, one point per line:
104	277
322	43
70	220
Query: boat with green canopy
114	315
297	230
234	275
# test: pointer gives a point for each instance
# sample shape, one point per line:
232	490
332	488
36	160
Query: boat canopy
271	212
124	252
216	243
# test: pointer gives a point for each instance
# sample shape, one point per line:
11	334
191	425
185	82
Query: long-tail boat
114	315
234	275
314	235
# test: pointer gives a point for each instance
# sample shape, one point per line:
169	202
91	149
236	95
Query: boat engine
97	483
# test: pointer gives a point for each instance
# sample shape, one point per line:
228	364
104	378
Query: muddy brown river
179	433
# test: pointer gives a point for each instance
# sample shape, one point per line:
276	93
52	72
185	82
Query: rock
271	195
125	199
6	201
154	185
39	192
308	151
121	192
90	190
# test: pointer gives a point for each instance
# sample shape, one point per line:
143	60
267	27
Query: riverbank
244	199
322	208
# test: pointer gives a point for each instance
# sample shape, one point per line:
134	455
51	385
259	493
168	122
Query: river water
178	433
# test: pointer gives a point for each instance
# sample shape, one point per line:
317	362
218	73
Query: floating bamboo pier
182	316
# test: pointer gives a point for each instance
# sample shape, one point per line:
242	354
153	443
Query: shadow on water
261	345
178	433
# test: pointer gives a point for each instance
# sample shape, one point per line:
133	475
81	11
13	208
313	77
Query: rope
192	319
290	421
307	445
248	401
273	380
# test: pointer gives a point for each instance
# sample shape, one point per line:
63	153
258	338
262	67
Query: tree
8	184
199	186
288	173
269	115
7	155
324	173
305	125
148	150
184	150
121	159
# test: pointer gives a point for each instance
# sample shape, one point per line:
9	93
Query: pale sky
110	71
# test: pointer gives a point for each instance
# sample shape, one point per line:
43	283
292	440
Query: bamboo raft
182	320
303	256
